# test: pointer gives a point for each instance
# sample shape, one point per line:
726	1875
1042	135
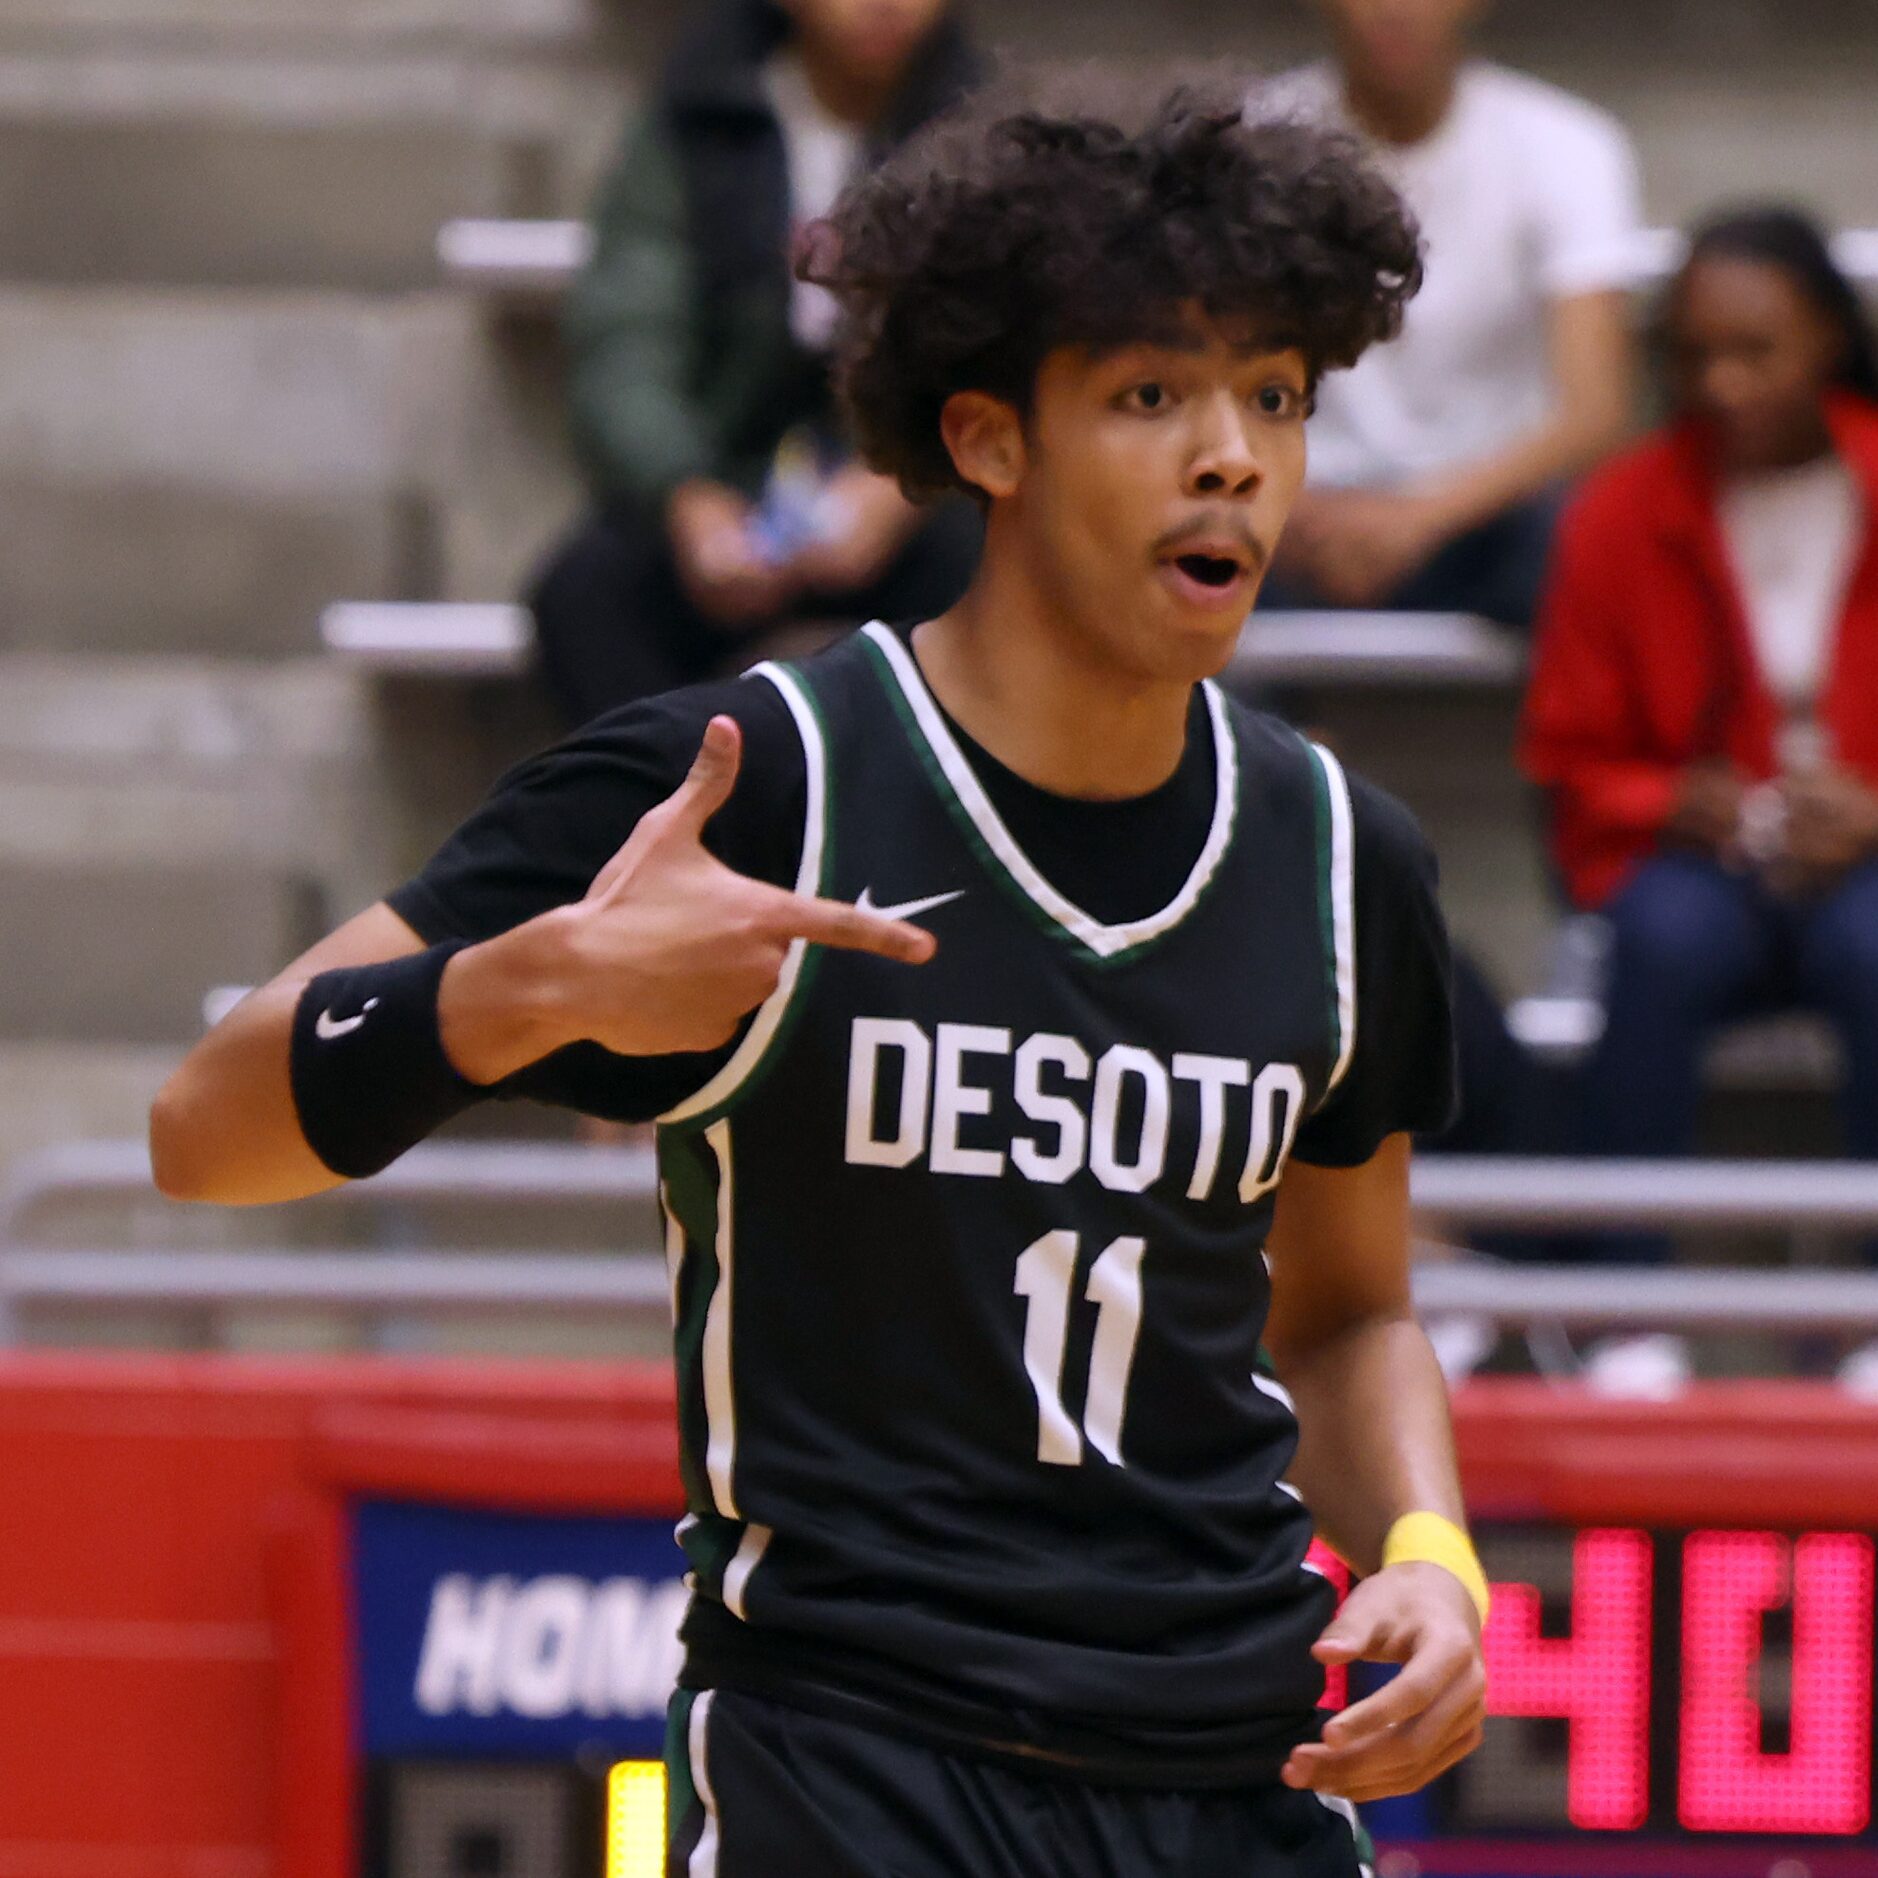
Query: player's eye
1149	396
1284	401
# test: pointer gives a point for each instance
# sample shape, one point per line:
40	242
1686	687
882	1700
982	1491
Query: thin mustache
1177	538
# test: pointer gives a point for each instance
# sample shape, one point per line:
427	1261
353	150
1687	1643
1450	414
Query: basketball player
1035	1035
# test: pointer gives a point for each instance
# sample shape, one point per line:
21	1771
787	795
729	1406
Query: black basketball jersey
967	1270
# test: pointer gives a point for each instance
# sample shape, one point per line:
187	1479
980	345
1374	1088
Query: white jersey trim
720	1402
1335	1803
1103	940
1342	907
1271	1386
703	1860
757	1039
674	1248
750	1550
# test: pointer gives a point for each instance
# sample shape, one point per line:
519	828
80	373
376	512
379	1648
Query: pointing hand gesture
671	950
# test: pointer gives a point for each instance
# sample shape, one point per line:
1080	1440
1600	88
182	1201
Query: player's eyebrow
1265	344
1192	338
1190	344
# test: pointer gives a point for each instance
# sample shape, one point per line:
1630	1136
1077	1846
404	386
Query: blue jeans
1693	946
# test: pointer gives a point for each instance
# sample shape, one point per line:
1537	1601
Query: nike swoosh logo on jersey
907	909
326	1026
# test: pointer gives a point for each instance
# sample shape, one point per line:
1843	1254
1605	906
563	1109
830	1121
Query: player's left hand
1428	1716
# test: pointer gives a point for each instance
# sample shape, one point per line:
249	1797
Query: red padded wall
141	1707
141	1729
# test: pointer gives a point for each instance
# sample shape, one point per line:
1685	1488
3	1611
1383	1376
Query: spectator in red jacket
1704	703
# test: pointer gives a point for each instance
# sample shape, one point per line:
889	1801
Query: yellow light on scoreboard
635	1820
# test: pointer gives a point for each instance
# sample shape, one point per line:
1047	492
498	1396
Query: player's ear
985	437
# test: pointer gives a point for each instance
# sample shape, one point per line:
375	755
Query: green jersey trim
749	1055
1105	942
681	1792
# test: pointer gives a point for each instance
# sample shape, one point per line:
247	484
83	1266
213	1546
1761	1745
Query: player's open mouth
1201	577
1209	570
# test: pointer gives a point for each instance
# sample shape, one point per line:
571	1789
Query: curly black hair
1014	226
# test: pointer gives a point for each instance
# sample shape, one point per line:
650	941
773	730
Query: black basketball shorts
759	1790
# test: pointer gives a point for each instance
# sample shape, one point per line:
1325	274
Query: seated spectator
1704	703
702	409
1435	464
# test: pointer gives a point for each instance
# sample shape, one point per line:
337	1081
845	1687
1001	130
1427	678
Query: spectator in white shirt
1435	464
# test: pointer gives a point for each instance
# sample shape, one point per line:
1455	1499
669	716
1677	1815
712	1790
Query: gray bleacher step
164	825
58	1091
357	445
33	23
278	395
1390	650
310	786
186	820
219	199
146	565
120	953
150	711
267	25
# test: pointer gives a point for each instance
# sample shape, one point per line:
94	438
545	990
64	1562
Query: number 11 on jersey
1046	1275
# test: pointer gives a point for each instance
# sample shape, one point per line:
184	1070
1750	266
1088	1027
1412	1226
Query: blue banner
509	1634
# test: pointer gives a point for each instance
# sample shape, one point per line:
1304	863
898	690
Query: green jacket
683	361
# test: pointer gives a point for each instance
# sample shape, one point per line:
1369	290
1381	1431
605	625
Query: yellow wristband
1428	1539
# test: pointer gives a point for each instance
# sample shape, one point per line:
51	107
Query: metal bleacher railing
446	638
372	1285
375	1286
538	259
1398	649
527	259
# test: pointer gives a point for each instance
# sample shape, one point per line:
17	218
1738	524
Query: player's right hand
671	950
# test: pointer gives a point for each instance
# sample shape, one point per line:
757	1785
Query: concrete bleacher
195	471
233	391
153	825
223	197
187	807
237	390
